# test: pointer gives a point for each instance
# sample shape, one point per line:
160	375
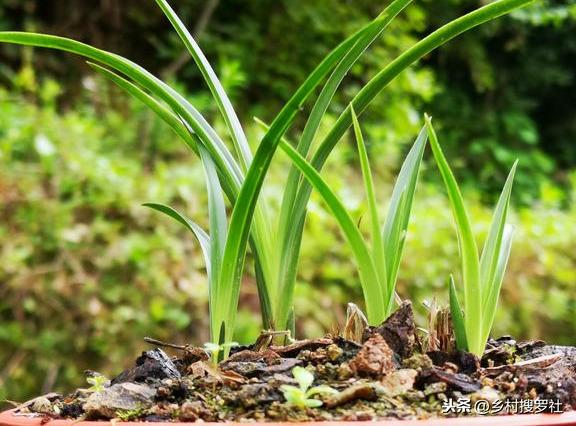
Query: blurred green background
86	272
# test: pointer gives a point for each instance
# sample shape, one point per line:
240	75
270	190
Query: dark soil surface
388	372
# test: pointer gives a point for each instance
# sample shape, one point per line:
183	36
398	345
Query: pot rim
8	418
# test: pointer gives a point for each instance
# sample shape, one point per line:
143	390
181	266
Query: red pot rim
8	418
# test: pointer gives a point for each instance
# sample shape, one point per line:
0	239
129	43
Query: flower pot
8	418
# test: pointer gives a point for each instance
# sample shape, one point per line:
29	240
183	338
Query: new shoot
481	275
378	261
301	396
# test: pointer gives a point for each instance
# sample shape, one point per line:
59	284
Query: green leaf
491	252
468	249
394	238
380	256
322	389
388	74
368	276
218	92
196	229
165	114
377	242
303	377
230	173
400	208
494	290
434	40
290	389
159	109
259	242
323	101
495	255
218	230
457	318
292	394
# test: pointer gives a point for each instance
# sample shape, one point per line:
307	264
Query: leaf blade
193	119
491	250
368	275
468	250
494	293
436	39
258	242
377	242
235	252
211	79
218	230
400	208
199	233
161	111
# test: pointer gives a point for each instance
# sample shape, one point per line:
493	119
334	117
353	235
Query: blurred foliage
85	269
86	272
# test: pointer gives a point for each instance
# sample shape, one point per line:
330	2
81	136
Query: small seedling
98	383
301	396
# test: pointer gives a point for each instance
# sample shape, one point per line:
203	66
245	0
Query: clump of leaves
481	275
301	396
238	174
378	261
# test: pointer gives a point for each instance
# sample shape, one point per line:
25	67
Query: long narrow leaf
434	40
394	240
159	109
390	72
323	101
494	291
227	166
218	92
169	117
491	251
196	229
468	249
400	207
368	275
218	227
377	242
258	243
